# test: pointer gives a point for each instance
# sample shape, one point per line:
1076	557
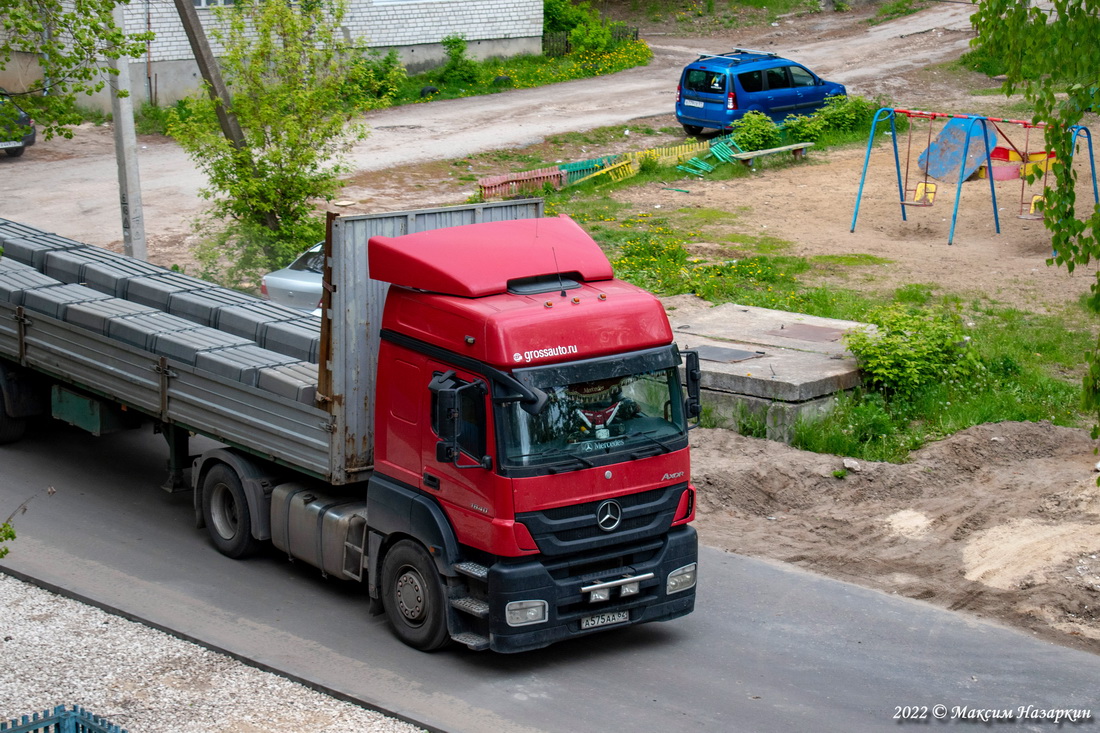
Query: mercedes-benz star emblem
609	515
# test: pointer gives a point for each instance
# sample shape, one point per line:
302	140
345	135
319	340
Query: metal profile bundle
32	249
182	341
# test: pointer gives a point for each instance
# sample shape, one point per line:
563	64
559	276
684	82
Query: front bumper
560	586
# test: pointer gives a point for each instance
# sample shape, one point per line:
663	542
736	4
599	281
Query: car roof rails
735	52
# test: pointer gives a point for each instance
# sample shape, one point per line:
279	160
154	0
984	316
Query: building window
211	3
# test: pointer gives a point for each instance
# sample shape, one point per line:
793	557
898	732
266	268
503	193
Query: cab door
464	483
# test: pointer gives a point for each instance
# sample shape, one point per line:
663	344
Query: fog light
599	594
680	579
525	613
630	589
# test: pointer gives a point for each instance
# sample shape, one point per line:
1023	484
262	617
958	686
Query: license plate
11	144
605	619
693	103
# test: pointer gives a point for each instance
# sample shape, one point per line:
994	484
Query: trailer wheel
11	428
227	517
413	597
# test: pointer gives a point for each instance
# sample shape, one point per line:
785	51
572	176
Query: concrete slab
769	366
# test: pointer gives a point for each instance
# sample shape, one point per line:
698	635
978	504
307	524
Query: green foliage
1051	55
374	80
803	129
914	294
528	71
979	58
151	119
286	66
848	114
591	36
563	15
7	534
755	131
459	69
911	349
73	42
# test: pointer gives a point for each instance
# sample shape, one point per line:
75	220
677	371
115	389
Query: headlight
525	613
680	579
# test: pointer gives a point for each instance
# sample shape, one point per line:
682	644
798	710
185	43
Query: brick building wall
414	28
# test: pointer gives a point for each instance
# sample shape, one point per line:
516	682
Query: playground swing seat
923	195
1034	211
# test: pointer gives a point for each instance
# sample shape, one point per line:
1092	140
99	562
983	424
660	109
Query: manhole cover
726	355
806	332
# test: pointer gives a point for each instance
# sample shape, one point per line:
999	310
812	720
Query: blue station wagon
717	90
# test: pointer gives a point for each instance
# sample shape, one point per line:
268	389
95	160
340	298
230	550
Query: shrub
755	131
374	80
803	129
847	114
562	15
912	349
459	69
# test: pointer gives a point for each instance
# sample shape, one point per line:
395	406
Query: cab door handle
430	481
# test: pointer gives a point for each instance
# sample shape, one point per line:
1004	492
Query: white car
299	284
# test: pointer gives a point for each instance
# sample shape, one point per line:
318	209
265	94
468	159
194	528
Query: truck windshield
594	420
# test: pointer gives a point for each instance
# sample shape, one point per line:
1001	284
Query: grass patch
897	9
850	260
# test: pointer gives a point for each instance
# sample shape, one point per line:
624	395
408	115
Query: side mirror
693	375
447	389
445	416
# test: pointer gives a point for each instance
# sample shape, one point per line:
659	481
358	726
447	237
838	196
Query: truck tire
11	428
413	597
227	516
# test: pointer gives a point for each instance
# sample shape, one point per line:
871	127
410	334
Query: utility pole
129	182
208	67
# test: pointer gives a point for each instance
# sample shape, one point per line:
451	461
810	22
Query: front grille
573	528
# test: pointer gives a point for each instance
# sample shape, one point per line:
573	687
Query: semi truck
484	425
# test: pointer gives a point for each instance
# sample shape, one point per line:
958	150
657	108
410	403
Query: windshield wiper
554	459
656	441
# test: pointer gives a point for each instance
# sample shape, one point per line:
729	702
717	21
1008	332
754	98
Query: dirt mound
1000	520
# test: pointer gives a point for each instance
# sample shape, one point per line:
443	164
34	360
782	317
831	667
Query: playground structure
971	146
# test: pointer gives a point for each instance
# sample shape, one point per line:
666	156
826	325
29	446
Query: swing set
968	144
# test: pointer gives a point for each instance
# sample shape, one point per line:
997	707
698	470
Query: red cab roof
475	260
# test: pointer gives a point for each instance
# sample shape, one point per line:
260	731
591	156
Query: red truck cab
531	436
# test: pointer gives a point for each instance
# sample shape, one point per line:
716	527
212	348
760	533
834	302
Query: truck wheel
11	428
413	597
227	517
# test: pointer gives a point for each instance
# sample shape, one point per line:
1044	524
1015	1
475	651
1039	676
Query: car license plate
11	144
693	103
605	619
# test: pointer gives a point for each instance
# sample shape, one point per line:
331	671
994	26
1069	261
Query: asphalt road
768	649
